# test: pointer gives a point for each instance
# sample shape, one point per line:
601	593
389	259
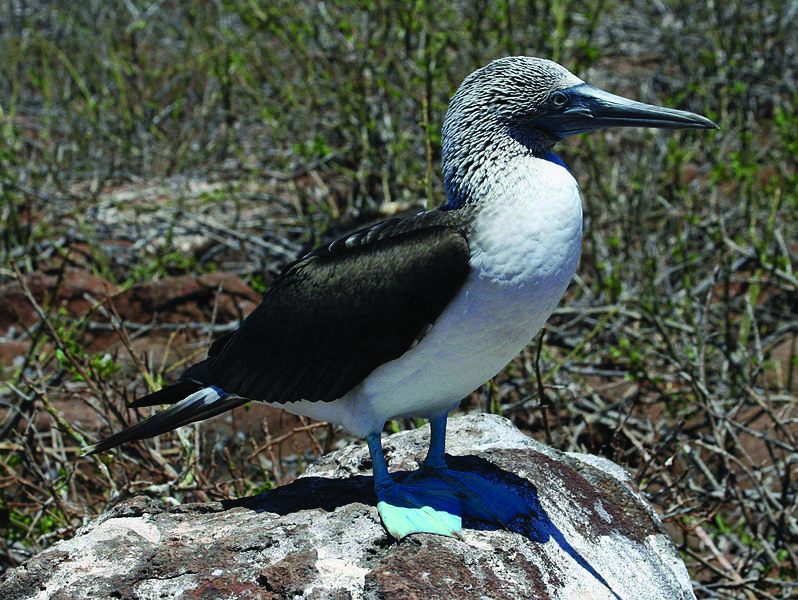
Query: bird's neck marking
453	204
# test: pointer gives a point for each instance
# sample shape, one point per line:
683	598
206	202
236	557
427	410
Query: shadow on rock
308	493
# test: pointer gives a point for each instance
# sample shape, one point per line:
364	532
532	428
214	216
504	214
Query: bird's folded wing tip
89	450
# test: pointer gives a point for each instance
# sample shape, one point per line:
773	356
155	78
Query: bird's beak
583	108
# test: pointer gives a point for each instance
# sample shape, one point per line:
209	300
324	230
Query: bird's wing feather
341	311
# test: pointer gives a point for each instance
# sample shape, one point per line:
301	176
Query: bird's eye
559	99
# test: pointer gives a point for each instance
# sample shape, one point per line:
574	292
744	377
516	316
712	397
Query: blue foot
425	506
436	500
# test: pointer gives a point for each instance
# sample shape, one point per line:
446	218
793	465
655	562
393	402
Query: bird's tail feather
202	404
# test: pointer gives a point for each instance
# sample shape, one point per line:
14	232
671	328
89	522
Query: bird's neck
475	166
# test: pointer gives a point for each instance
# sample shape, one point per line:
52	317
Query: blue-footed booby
408	316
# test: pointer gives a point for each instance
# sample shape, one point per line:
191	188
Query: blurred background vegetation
143	142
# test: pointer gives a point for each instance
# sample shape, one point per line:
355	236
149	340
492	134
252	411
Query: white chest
528	236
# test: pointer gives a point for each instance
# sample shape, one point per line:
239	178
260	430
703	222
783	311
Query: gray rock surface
593	537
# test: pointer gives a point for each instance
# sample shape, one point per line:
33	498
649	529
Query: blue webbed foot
435	499
425	506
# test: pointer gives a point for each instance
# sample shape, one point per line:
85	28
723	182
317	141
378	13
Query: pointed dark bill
583	108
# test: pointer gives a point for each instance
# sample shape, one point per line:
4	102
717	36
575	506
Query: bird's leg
378	465
425	506
437	444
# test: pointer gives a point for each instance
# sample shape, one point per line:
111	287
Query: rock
593	537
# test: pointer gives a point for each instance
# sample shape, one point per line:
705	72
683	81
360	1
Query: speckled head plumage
488	117
507	92
521	105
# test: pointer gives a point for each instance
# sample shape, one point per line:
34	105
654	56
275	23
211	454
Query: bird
406	317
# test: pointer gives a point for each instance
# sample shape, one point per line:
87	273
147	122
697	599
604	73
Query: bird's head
521	104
